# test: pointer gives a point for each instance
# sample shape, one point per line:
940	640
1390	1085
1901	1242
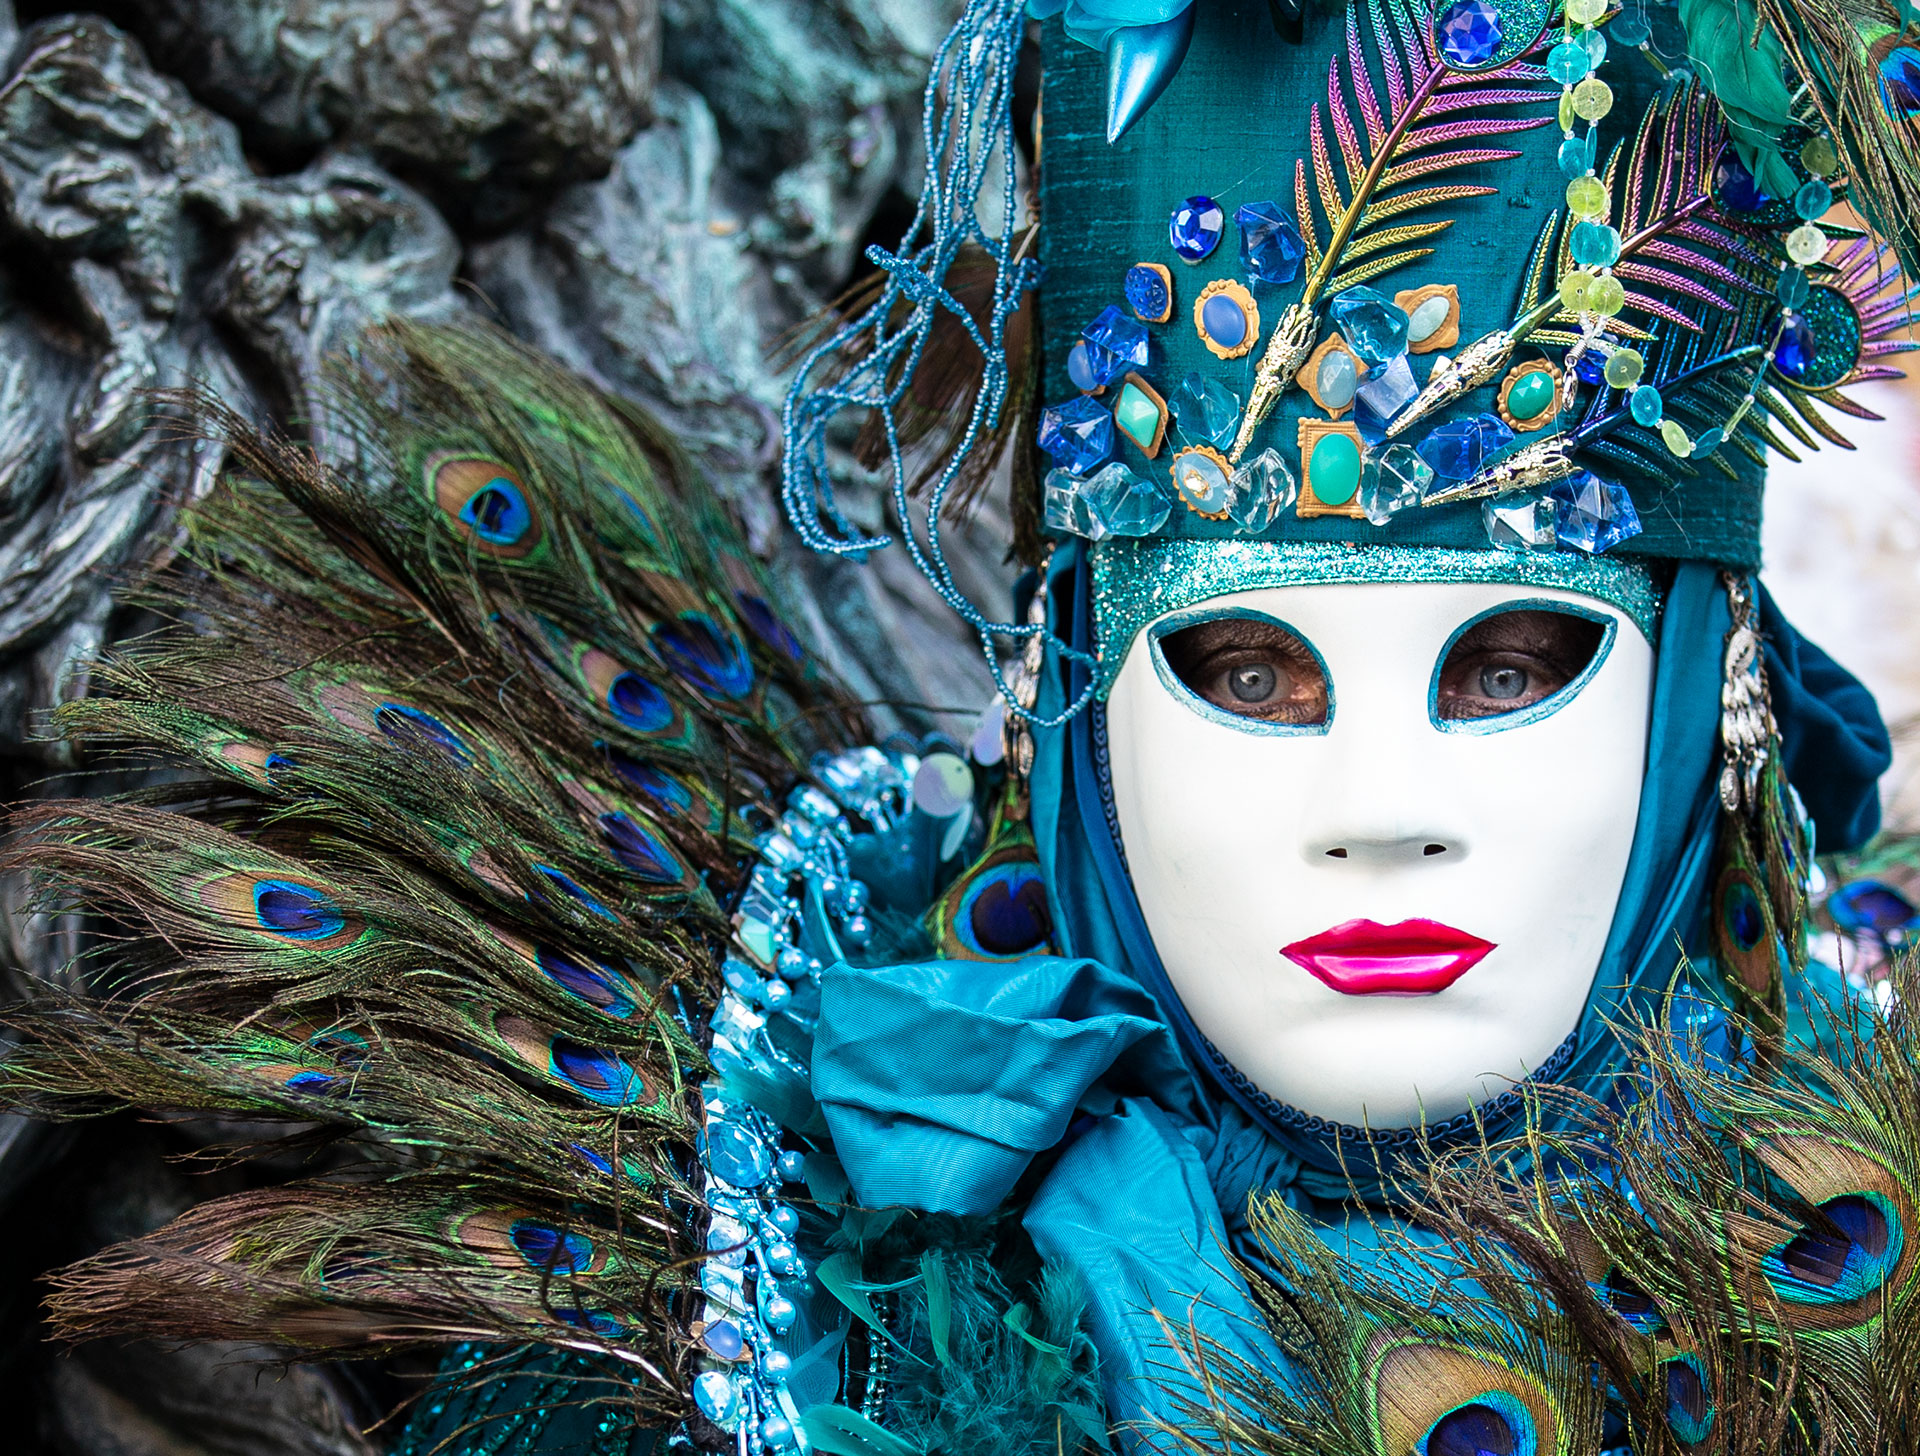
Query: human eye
1249	667
1512	660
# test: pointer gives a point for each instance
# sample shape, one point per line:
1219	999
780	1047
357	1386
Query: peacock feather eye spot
705	655
594	984
407	726
572	889
486	502
549	1249
1689	1407
591	1319
666	791
1858	1233
1474	1429
759	615
498	512
595	1073
298	912
638	703
1745	923
1005	913
638	850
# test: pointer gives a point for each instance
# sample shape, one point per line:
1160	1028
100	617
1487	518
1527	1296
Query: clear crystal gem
717	1399
1062	506
1261	489
735	1155
1206	410
1592	514
1374	326
1391	480
1120	503
1519	523
1077	434
1385	393
1270	245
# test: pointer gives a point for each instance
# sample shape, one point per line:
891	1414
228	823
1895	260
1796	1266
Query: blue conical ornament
1141	60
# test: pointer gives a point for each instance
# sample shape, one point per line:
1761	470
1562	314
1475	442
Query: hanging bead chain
1806	245
1589	289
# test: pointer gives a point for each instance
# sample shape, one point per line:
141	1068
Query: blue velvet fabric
946	1084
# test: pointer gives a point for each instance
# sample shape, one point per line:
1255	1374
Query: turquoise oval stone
1531	394
1334	469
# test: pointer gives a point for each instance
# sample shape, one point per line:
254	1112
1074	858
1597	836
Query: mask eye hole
1512	660
1250	667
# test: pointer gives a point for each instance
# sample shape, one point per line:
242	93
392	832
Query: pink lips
1413	958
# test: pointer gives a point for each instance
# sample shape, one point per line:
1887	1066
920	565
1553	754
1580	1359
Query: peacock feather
476	712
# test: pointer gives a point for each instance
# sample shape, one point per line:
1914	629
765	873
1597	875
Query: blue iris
299	912
548	1248
498	512
638	703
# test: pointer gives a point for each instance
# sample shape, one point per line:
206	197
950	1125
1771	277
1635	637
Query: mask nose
1397	850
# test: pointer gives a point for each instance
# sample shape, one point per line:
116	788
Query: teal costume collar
1136	582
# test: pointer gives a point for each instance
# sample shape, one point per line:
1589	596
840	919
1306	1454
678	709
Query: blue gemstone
736	1156
1458	449
1196	228
1115	344
1080	367
1647	405
1147	293
1591	514
1734	187
1374	326
1270	246
1468	32
1793	355
1590	367
724	1339
1077	434
1224	320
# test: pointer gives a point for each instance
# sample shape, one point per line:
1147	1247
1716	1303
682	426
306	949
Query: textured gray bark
222	192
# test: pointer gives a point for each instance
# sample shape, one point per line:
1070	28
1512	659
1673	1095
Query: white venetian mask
1378	830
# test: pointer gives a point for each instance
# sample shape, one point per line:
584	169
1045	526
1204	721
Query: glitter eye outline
1546	707
1174	622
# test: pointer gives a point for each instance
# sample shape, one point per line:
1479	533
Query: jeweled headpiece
1464	274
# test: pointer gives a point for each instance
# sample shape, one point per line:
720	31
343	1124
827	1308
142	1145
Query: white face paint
1422	795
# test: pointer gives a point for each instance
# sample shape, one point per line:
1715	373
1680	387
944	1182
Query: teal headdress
1466	274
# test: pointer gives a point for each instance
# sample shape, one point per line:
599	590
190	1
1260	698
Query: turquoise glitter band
1137	581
